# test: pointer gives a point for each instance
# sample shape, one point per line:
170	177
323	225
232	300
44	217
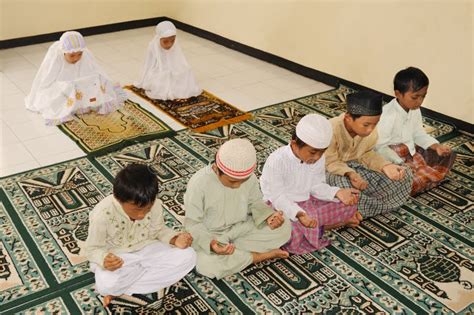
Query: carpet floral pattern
416	260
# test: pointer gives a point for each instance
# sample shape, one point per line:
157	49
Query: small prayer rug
98	134
201	113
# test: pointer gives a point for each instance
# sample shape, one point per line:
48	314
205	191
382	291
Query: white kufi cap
314	130
237	158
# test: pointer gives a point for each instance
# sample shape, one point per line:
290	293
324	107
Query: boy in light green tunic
230	224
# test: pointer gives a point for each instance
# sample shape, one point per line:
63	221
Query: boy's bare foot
355	220
280	253
274	253
107	300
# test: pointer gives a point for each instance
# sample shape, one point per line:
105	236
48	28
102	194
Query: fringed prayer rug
417	260
201	113
98	134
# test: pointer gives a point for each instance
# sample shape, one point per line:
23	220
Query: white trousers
148	270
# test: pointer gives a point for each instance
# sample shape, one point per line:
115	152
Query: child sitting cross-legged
352	161
402	138
130	249
294	181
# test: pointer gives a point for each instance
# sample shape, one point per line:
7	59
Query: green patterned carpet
417	260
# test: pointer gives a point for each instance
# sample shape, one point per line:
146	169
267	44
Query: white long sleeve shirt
397	126
286	181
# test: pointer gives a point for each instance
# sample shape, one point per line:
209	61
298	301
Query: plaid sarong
429	169
305	240
381	195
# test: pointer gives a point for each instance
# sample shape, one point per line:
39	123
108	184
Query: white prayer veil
159	58
62	89
166	73
55	67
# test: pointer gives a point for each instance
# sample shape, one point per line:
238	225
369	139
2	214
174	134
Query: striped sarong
381	195
305	240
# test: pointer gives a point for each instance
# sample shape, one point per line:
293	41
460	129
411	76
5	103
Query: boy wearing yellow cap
231	225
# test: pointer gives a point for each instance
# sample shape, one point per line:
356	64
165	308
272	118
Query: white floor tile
35	58
260	90
237	79
60	157
33	129
49	145
15	63
13	154
308	90
7	136
212	85
11	101
240	100
7	87
18	168
38	48
13	116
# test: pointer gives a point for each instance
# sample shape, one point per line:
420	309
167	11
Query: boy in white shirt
402	138
294	181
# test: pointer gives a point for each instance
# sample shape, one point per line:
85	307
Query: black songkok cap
364	103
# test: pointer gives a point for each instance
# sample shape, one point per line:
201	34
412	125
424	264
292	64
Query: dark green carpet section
417	260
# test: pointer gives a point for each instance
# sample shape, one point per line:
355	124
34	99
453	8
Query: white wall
366	42
22	18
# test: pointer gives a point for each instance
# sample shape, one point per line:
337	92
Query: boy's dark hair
354	116
136	184
410	78
299	143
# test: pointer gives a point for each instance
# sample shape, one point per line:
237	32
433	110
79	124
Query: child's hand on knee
275	220
112	262
183	240
357	181
348	196
306	220
394	171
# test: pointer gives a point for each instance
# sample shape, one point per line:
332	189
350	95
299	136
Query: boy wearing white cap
230	224
294	181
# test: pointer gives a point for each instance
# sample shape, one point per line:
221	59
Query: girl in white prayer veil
166	73
69	81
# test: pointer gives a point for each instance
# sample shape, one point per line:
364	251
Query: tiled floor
246	82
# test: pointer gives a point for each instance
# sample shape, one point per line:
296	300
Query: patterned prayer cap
314	130
72	42
364	103
165	29
237	158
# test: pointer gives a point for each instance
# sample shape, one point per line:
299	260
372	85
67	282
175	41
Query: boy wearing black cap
352	162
